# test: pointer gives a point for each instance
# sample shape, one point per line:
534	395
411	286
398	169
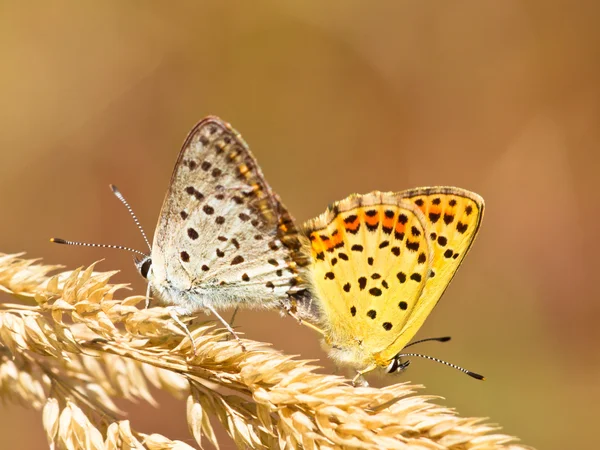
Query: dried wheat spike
69	348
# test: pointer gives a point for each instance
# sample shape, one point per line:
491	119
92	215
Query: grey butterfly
223	238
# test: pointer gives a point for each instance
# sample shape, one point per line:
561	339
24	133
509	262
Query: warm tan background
499	97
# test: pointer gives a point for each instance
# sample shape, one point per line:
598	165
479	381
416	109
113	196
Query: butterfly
223	239
381	262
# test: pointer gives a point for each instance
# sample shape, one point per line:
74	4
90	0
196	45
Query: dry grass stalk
69	348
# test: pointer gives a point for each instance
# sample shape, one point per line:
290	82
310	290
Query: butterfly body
223	238
380	263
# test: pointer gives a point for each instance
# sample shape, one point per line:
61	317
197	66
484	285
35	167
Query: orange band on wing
321	241
388	222
352	225
371	218
434	209
400	227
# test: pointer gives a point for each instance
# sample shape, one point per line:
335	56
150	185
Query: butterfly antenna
438	339
454	366
85	244
133	216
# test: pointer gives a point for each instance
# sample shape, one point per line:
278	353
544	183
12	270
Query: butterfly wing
452	220
376	278
223	235
371	257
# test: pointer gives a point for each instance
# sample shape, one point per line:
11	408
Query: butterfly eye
396	365
145	267
392	366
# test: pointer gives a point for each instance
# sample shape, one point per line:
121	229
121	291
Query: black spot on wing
237	260
362	283
375	292
434	217
412	246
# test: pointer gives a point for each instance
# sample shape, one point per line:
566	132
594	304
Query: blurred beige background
502	98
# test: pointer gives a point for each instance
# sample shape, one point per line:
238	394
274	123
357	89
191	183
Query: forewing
222	231
371	257
452	219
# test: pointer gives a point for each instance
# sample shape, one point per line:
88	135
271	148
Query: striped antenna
133	216
437	339
454	366
86	244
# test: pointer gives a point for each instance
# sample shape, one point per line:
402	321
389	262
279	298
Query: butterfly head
396	365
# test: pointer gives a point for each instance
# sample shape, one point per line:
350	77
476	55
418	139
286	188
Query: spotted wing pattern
371	257
223	236
382	261
452	220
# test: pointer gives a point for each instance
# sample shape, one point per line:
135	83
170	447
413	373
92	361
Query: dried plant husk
70	348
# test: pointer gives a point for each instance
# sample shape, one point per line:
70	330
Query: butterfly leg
291	313
359	379
226	325
147	296
174	312
235	311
